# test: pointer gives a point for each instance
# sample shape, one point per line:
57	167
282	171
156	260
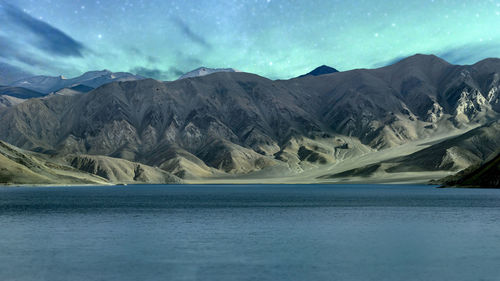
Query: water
281	232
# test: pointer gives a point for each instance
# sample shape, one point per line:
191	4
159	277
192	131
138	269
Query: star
275	39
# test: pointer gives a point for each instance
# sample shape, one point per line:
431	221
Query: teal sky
272	38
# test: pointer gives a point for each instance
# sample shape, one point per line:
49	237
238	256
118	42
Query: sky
278	39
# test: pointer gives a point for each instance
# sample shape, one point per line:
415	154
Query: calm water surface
263	232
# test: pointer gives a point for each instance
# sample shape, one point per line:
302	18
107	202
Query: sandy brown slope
22	167
120	171
447	155
18	166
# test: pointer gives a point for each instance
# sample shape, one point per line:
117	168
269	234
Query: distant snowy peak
202	71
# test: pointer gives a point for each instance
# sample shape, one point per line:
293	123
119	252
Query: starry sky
273	38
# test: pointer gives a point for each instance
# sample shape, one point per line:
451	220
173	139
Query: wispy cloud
193	36
157	73
11	50
464	54
48	38
470	53
389	62
9	73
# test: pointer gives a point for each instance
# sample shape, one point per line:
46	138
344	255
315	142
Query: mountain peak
202	71
321	70
490	64
423	59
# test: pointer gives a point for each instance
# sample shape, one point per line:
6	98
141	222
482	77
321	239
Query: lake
249	232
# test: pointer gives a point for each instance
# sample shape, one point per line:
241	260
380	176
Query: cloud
149	72
171	73
9	73
176	71
470	53
464	54
50	39
11	51
152	59
186	30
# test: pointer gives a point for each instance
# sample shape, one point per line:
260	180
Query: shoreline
213	184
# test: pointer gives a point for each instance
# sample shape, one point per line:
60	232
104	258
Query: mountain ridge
203	71
94	79
230	124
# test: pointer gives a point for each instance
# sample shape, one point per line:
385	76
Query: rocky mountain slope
22	167
119	170
232	123
10	96
20	93
449	154
484	176
18	166
8	101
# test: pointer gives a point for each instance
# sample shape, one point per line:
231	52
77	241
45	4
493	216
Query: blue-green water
264	232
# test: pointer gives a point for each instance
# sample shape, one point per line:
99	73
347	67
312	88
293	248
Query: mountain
119	170
14	95
450	154
20	93
202	71
321	70
42	84
92	79
486	175
234	125
11	96
22	167
8	101
456	153
18	166
75	90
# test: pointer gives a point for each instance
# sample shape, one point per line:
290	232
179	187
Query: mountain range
92	79
418	119
26	88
